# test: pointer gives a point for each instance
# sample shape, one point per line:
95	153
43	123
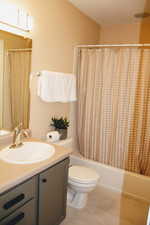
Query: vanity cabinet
39	201
53	194
25	215
18	196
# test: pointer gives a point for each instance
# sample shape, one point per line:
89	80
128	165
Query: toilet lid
83	174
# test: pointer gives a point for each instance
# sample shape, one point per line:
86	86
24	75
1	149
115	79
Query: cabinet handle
44	180
16	220
14	201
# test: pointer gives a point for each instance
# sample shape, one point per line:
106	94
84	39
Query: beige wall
120	33
145	31
58	27
126	33
145	25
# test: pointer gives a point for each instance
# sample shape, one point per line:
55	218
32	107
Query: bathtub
128	183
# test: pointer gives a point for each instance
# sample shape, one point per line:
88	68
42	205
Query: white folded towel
56	87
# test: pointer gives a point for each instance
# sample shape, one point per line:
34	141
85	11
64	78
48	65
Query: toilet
81	181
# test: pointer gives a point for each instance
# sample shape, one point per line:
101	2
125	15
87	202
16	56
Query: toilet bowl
81	181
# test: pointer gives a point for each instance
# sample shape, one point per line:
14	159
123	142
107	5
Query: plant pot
63	133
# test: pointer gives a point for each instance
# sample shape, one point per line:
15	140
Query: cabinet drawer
22	216
16	197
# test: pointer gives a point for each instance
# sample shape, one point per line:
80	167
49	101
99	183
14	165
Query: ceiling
112	11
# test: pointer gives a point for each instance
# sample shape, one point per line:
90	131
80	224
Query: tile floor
106	207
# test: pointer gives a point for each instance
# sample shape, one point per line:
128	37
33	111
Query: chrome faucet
19	133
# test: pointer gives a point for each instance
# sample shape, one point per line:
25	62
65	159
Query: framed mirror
15	67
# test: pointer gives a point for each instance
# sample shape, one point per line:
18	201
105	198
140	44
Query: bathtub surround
114	105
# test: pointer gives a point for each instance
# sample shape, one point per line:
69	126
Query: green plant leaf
60	123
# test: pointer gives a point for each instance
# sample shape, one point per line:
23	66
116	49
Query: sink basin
28	153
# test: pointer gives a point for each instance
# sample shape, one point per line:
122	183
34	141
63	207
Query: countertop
13	174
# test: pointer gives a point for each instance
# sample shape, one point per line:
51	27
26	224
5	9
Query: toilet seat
83	175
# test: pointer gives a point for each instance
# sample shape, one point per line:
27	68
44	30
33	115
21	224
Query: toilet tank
67	143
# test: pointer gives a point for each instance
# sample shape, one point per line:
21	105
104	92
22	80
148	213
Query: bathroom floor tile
106	207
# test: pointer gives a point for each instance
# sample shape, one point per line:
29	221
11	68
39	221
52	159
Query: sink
28	153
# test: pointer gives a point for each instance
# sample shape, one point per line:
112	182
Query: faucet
19	133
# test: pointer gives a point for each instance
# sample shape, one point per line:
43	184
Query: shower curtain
113	107
7	123
19	66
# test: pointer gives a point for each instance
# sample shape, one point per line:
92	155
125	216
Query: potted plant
61	125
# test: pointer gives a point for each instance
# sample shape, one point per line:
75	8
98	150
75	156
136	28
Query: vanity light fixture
15	17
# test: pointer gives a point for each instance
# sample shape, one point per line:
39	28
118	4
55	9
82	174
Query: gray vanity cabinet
18	196
18	206
40	200
53	194
25	215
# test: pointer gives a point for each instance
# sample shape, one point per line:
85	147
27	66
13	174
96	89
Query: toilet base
76	200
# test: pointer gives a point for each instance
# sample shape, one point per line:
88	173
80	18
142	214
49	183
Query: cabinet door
53	194
22	216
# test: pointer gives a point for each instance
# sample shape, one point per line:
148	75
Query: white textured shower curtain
20	66
113	109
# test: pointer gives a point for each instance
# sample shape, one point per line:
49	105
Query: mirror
15	67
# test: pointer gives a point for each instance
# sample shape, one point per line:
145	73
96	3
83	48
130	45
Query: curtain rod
19	49
113	45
